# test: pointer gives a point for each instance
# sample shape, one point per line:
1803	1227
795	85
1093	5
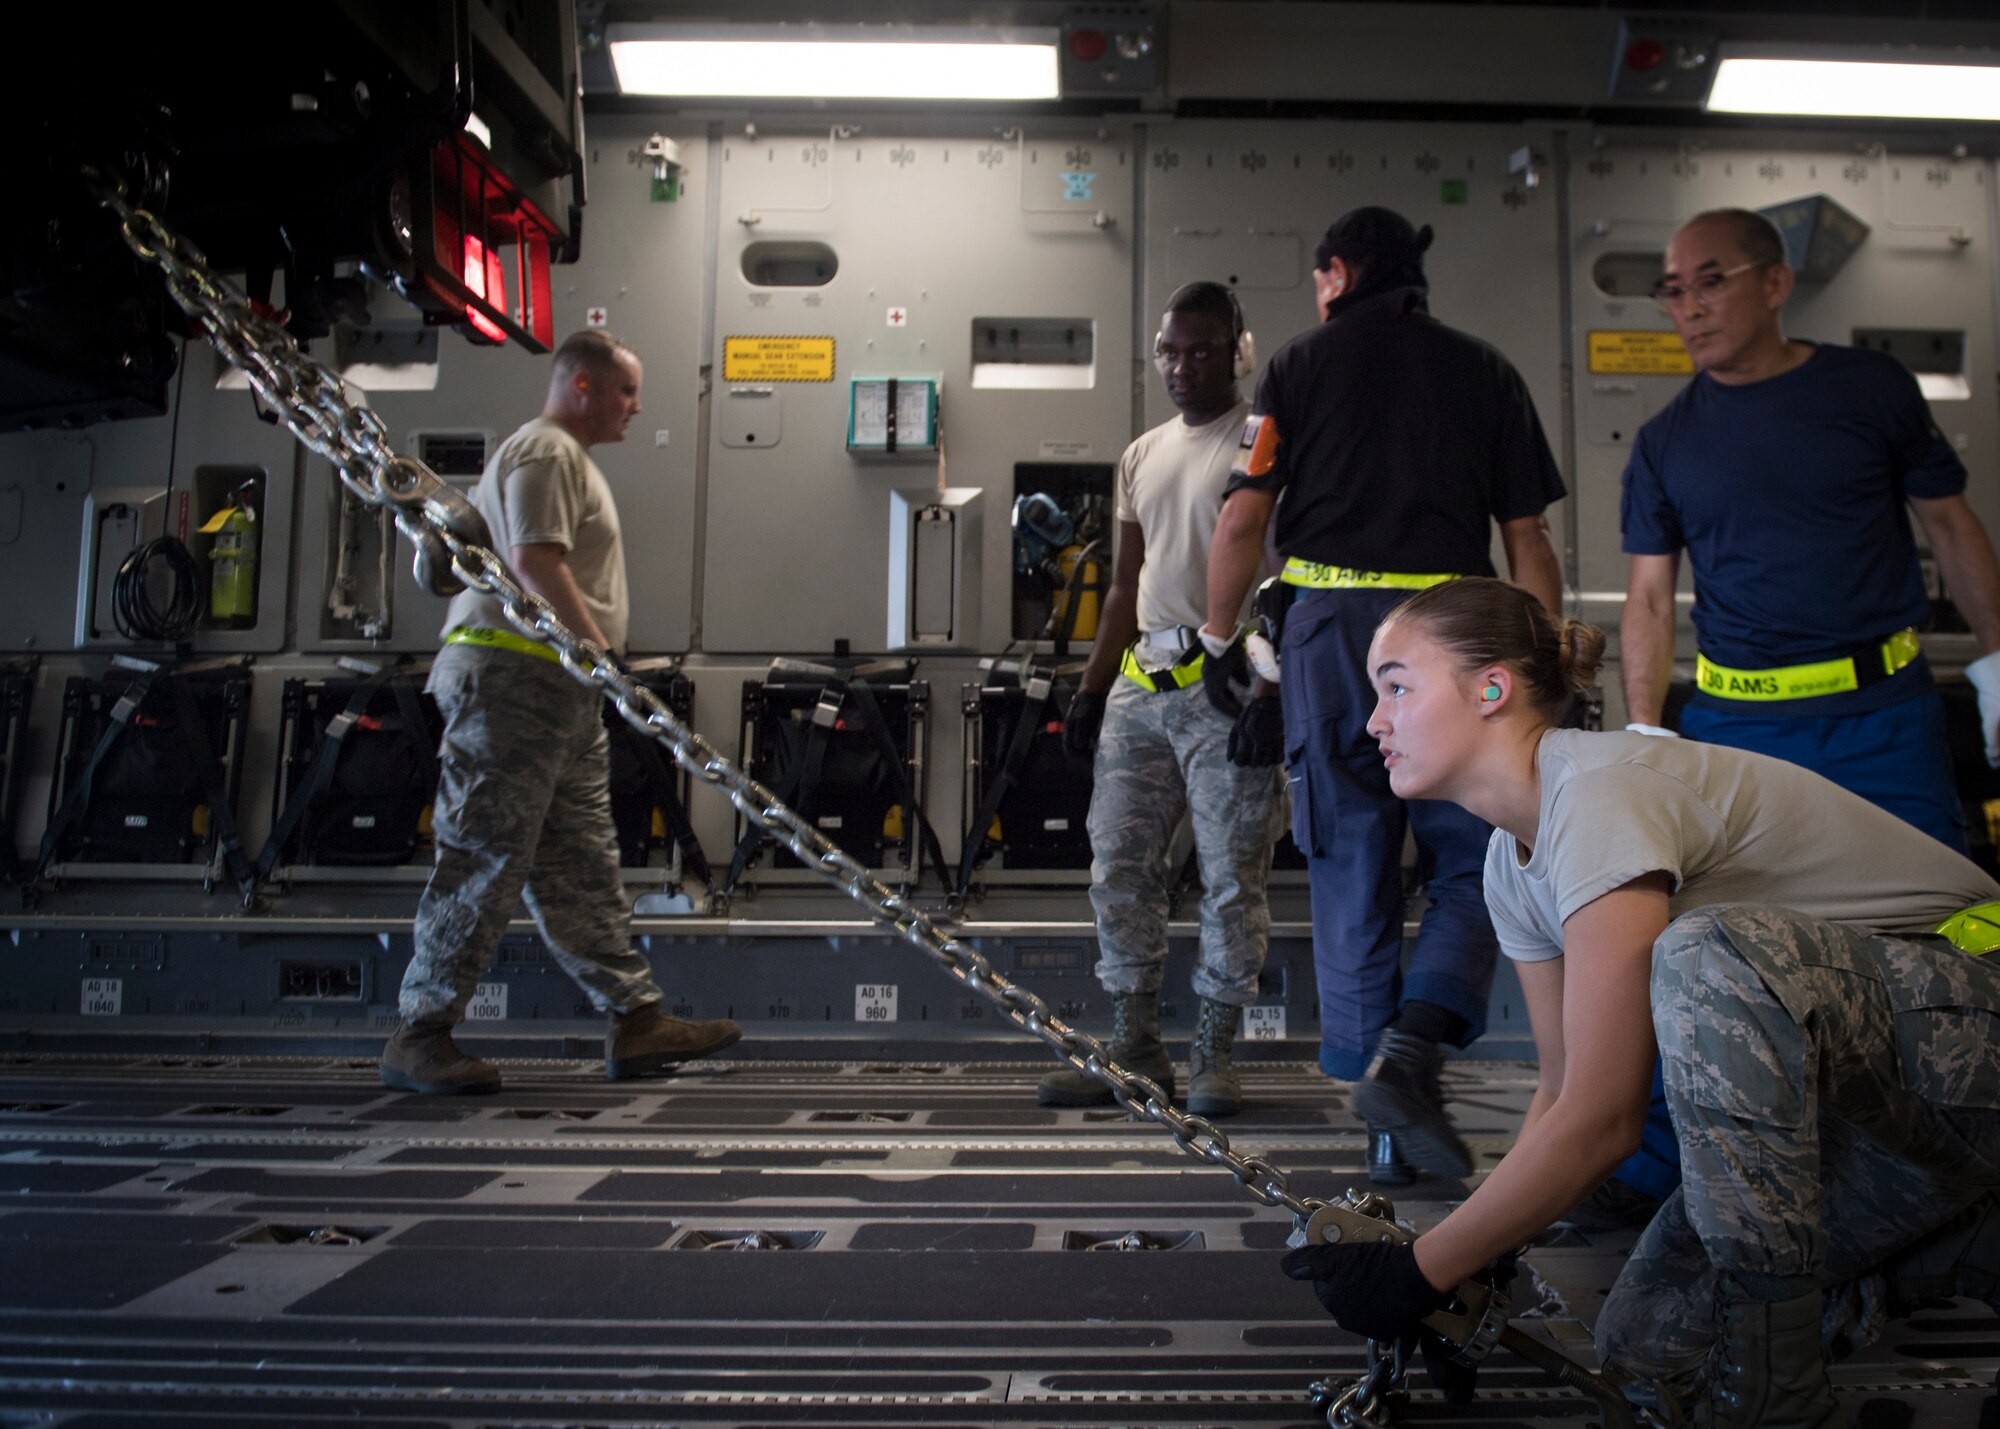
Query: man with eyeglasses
1782	470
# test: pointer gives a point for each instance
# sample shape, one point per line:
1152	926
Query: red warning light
1087	45
484	276
483	249
1643	55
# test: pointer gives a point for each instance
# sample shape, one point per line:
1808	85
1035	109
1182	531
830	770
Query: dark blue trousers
1351	829
1894	757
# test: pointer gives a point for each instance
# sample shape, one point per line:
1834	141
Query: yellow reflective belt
1799	682
500	640
1174	677
1974	930
1315	576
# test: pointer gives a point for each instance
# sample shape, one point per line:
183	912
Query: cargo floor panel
252	1241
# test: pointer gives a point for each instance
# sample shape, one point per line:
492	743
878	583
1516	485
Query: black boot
1135	1046
1214	1086
1386	1166
1767	1371
1401	1093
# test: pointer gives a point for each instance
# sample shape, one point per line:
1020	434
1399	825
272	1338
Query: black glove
1081	722
1258	740
1373	1289
1453	1380
1225	678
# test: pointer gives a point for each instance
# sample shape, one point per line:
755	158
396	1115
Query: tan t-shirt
1728	827
541	487
1170	481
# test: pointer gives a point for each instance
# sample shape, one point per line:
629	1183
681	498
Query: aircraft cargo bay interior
1001	712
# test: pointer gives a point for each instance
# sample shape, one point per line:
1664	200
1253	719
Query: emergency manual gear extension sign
777	359
1639	354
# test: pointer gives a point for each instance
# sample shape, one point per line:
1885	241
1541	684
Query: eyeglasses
1704	286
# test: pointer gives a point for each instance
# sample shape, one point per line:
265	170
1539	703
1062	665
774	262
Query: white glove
1636	728
1216	645
1263	656
1985	676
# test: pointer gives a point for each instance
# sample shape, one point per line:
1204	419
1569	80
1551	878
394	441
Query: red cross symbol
899	317
596	317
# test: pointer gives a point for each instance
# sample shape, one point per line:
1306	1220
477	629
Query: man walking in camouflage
1161	747
523	810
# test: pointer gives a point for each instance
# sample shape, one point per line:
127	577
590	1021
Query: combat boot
1402	1093
1386	1166
421	1057
645	1040
1767	1371
1214	1086
1135	1046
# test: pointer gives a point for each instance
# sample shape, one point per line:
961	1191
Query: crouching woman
1832	1066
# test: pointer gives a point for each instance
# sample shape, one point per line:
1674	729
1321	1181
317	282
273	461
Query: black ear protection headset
1243	343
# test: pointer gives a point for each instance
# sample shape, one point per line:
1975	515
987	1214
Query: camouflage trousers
1837	1101
1160	755
523	814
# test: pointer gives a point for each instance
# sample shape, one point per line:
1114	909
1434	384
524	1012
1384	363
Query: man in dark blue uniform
1782	469
1396	443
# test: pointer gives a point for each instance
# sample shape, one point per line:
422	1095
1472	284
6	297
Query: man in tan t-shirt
523	808
1164	748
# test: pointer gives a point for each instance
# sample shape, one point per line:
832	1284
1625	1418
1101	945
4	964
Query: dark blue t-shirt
1789	498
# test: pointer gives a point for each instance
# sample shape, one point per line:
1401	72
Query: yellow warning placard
777	359
1639	354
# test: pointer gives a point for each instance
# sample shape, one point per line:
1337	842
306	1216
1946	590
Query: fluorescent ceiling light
932	63
1035	376
1750	84
1944	386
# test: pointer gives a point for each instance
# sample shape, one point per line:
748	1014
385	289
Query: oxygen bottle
1088	585
232	563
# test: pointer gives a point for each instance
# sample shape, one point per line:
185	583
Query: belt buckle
1901	650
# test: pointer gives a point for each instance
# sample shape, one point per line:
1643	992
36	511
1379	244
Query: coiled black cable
132	606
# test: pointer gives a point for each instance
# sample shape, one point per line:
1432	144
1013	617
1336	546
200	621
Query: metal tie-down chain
450	537
1365	1403
312	401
